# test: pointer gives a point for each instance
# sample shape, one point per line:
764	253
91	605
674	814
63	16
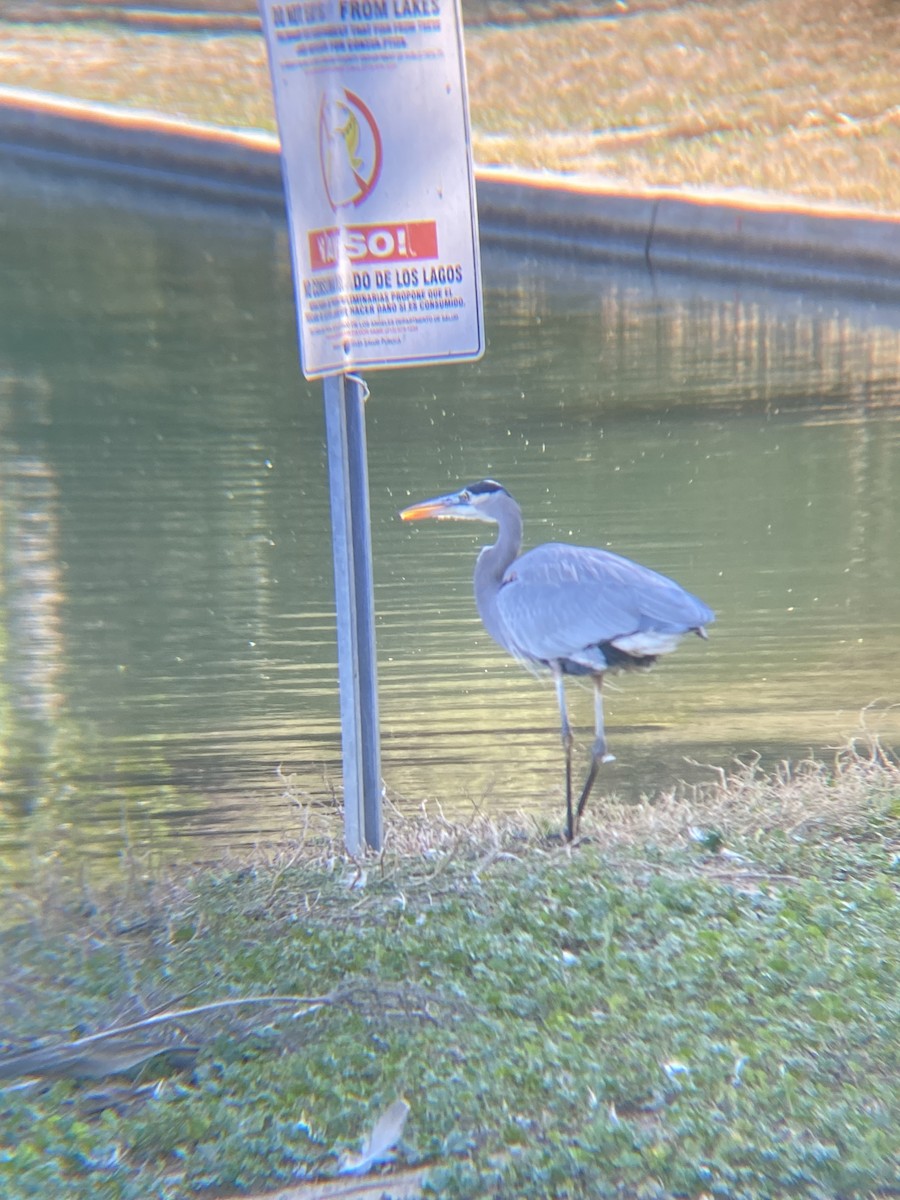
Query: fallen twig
80	1055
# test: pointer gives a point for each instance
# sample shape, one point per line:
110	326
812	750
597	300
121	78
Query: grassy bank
700	999
791	96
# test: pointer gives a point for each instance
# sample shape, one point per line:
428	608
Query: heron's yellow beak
457	506
427	508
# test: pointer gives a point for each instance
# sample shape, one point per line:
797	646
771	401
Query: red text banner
390	242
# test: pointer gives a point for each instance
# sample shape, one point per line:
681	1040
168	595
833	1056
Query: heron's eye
466	497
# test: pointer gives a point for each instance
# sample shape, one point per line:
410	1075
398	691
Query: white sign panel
373	117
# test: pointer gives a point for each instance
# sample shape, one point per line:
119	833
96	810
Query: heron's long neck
490	568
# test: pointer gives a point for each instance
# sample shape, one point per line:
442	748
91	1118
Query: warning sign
373	117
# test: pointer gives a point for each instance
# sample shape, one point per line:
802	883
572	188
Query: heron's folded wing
558	599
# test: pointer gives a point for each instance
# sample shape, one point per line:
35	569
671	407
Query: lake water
167	658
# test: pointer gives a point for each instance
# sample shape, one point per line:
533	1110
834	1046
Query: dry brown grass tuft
800	800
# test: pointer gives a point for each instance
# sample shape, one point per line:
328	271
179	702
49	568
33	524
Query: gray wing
556	601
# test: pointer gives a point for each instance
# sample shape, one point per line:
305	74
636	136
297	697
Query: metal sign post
376	156
345	397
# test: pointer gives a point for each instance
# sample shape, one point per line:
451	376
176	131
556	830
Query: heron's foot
558	837
561	838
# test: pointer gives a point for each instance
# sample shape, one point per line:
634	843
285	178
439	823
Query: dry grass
796	96
799	800
221	79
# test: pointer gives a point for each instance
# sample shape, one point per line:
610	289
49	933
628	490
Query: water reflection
30	598
167	655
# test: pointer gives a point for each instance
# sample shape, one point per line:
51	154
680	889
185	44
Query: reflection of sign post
373	117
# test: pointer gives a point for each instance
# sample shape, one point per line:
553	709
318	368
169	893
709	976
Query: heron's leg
598	752
566	731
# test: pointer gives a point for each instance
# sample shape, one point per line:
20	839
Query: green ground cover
701	999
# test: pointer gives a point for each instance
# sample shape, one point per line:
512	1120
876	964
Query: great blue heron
572	610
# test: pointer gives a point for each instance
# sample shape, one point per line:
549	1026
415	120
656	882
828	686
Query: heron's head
480	501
